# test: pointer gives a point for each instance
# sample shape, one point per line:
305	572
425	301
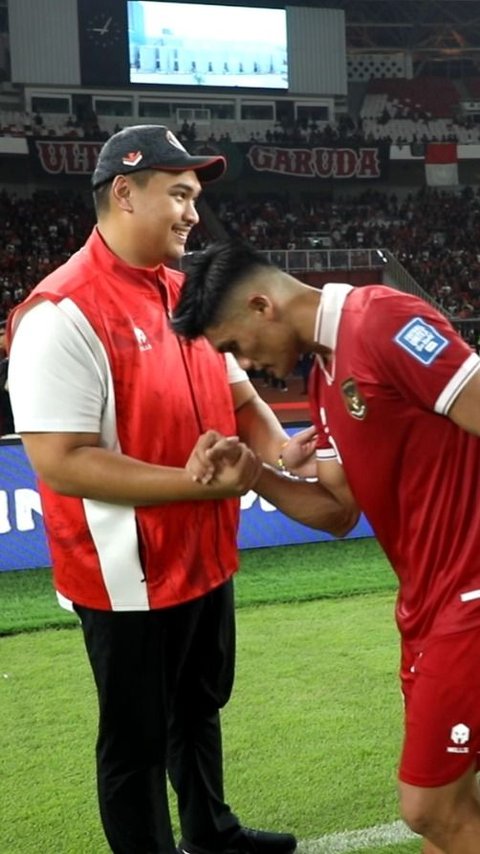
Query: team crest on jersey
421	340
352	397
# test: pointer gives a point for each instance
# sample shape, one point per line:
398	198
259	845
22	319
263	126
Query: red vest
164	393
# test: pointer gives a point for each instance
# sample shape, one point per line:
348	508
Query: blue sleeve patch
421	340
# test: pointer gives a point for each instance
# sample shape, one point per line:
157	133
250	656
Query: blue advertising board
23	542
261	524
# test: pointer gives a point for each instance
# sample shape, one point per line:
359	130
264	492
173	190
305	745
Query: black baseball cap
152	147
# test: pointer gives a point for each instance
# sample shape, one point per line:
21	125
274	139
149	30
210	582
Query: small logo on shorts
460	735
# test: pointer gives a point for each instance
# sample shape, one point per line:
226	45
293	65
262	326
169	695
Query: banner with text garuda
341	162
77	157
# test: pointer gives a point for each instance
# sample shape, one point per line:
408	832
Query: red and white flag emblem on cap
133	158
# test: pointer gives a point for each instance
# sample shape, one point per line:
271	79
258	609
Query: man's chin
175	253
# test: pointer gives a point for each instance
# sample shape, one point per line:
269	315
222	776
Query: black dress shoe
265	842
247	841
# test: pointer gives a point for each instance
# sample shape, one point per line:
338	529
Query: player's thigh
422	807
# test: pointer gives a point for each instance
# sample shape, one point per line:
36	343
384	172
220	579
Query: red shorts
441	687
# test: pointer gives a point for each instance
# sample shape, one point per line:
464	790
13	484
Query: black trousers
161	678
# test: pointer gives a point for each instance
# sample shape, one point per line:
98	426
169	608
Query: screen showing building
203	45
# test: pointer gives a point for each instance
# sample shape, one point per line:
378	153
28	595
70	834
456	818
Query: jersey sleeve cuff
457	383
323	454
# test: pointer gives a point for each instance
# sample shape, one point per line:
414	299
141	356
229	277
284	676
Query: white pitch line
357	840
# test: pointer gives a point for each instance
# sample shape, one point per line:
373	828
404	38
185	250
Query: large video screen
204	45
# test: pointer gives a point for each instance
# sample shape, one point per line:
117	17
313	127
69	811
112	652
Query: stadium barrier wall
23	543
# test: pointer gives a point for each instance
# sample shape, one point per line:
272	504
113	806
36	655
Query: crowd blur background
377	150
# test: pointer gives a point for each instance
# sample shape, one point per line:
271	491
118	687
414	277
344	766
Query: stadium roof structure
442	29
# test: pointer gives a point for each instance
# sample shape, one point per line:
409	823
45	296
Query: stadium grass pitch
311	735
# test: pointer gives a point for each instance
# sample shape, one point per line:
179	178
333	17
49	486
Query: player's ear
260	304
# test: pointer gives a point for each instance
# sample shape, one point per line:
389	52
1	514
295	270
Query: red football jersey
381	405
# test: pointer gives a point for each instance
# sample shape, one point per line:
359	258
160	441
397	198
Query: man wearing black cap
111	410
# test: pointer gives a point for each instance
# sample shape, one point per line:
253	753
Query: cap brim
207	168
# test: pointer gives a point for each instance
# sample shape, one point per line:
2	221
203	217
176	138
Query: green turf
402	848
313	571
311	735
289	574
321	661
308	743
29	602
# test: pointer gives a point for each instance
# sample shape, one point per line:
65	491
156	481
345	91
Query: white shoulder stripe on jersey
113	527
453	388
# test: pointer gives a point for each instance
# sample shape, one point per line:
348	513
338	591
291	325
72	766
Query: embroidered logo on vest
142	340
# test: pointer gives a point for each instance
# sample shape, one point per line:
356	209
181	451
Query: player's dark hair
211	276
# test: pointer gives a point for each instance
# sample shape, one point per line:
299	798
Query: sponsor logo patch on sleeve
421	340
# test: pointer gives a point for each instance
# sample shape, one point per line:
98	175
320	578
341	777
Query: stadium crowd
434	235
39	233
345	130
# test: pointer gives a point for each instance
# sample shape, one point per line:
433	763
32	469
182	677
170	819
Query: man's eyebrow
187	187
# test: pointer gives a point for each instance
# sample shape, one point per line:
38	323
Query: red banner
317	162
78	157
65	157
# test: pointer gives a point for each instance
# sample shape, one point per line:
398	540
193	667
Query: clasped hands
226	462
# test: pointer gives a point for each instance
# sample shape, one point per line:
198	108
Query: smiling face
150	217
258	336
165	212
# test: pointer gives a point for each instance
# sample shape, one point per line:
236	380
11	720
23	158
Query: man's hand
299	452
237	468
223	461
208	453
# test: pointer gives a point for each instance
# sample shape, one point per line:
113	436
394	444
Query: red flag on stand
441	164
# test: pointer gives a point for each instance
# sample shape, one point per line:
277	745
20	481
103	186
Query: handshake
224	463
228	465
